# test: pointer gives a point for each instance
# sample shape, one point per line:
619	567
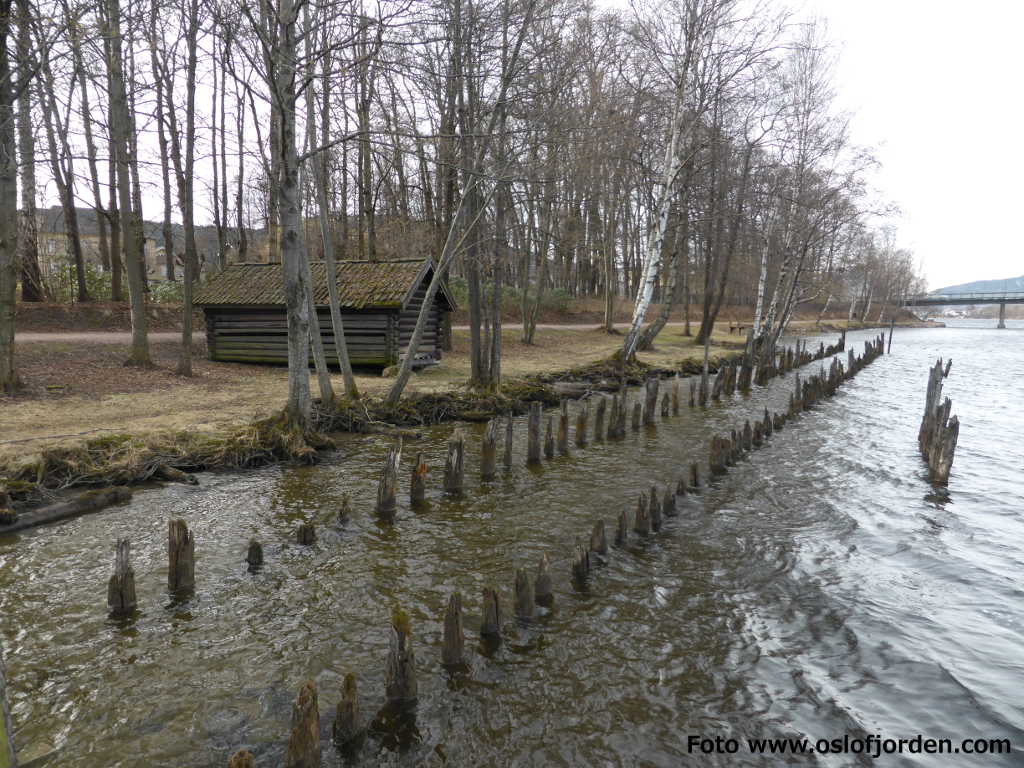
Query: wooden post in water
418	482
387	487
508	441
400	671
694	476
543	592
524	602
254	556
563	429
602	405
580	563
453	463
613	418
8	754
598	539
121	587
654	509
490	620
549	440
304	743
675	396
637	409
665	405
181	557
306	534
243	758
642	525
668	507
346	717
650	400
533	434
681	487
892	325
489	451
693	393
581	425
622	529
453	641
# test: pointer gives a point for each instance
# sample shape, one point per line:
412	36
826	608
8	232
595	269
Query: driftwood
523	600
87	501
121	599
304	743
490	621
400	670
453	465
453	640
173	475
387	486
181	556
543	591
533	434
418	482
254	555
346	726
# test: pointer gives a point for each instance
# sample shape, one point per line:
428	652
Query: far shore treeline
685	155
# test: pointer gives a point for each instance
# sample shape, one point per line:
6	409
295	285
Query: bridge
1002	298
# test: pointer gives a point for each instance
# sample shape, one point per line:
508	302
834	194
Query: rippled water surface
823	587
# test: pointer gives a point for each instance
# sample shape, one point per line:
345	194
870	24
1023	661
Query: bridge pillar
1002	316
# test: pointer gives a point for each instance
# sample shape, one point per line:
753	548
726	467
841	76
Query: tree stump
675	396
543	591
387	486
599	412
181	556
693	393
654	509
400	670
243	758
681	487
778	422
668	507
254	557
769	427
563	428
306	534
665	405
346	716
304	743
489	451
418	482
642	524
508	441
650	400
598	539
580	563
490	622
454	640
581	425
533	434
121	588
613	418
694	476
549	439
748	436
524	600
622	529
453	464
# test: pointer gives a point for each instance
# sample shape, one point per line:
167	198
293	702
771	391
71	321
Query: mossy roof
361	284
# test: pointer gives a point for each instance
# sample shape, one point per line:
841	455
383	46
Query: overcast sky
937	87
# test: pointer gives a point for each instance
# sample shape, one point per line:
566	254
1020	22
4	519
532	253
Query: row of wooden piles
939	431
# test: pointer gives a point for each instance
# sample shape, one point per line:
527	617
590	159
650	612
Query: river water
822	588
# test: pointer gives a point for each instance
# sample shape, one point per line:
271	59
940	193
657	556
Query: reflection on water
822	587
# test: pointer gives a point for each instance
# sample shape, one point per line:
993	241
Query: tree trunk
8	207
31	280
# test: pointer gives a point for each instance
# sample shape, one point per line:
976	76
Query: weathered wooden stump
549	439
642	523
181	557
748	436
121	599
543	591
598	539
345	511
650	399
675	396
533	434
563	428
694	476
243	758
254	556
490	620
613	418
346	728
681	487
581	425
599	412
693	393
304	743
453	463
622	529
769	426
508	441
453	640
489	451
417	482
580	563
387	486
637	410
523	591
400	669
306	534
665	405
668	506
778	421
654	509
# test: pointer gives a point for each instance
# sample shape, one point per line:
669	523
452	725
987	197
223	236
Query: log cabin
380	302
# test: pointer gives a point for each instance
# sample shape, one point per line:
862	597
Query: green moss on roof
361	284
